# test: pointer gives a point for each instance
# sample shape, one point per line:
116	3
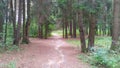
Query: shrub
105	58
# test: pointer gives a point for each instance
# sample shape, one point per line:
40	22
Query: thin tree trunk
1	25
26	38
63	24
71	28
6	24
46	29
66	29
13	19
81	30
24	22
74	27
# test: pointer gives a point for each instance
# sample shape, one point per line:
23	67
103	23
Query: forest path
50	53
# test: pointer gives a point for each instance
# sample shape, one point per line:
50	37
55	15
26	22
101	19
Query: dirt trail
51	53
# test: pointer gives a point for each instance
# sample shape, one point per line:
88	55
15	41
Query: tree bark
24	22
18	35
26	37
63	25
116	24
82	32
71	29
74	26
1	25
13	19
66	28
91	31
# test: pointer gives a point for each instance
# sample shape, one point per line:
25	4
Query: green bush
105	58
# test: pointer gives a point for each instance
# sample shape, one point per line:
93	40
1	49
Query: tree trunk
63	24
66	26
39	30
24	22
1	25
116	24
40	26
26	37
13	19
18	35
91	31
74	26
71	28
46	29
6	23
81	30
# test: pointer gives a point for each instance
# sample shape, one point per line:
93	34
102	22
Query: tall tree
116	25
92	25
27	24
24	20
82	32
1	24
13	18
18	29
1	18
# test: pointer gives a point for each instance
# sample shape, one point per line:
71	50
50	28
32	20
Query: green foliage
51	27
33	28
103	42
8	46
62	4
11	64
103	57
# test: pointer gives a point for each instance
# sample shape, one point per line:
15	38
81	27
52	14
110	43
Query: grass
60	32
8	47
104	42
102	57
11	64
74	42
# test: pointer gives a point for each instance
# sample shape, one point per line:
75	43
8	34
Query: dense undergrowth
8	45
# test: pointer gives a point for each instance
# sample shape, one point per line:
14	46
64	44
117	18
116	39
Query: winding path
51	53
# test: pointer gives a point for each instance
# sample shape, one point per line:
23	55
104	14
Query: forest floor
50	53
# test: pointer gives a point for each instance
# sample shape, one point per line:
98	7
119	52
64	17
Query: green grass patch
58	32
74	42
11	64
8	47
104	42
